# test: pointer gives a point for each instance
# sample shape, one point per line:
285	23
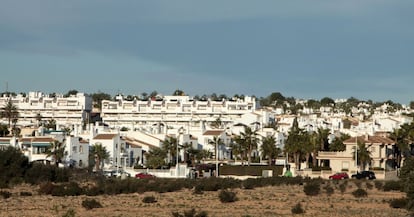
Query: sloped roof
138	143
105	136
213	132
370	140
43	139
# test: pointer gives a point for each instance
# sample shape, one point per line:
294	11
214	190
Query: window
81	149
74	149
80	163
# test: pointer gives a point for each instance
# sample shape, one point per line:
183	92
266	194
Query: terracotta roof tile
213	132
370	140
43	139
105	136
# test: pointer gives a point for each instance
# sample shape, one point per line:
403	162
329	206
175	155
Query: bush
297	209
393	186
369	185
329	190
378	184
190	213
91	204
360	193
25	193
342	188
5	194
149	199
198	190
69	189
227	196
399	203
69	213
312	188
46	188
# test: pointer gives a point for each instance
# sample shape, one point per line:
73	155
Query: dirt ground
266	201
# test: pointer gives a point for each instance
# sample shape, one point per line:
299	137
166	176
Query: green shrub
227	196
68	189
198	190
46	188
369	185
378	184
5	194
342	188
360	193
312	188
393	186
91	204
69	213
329	190
25	194
149	199
399	203
250	183
297	209
190	213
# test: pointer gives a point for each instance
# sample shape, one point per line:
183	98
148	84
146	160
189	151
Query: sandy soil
266	201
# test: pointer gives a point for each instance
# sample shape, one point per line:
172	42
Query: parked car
364	175
144	176
339	176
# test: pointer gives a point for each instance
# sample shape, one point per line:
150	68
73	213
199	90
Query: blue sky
305	49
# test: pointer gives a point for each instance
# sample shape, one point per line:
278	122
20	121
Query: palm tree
192	154
338	143
169	145
99	152
269	149
155	158
238	149
9	111
216	123
216	142
250	142
402	137
296	143
363	155
56	150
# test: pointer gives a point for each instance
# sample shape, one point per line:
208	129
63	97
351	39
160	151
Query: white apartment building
66	111
172	112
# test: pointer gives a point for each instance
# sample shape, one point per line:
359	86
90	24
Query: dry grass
266	201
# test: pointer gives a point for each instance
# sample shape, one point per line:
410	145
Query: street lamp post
217	173
180	132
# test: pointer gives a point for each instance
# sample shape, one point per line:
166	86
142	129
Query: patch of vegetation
5	194
297	209
149	199
393	186
91	204
360	193
69	213
378	184
312	188
342	188
190	213
399	203
329	190
227	196
25	194
198	190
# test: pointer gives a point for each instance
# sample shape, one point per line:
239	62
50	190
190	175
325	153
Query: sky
300	48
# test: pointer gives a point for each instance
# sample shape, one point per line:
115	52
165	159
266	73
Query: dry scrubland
264	201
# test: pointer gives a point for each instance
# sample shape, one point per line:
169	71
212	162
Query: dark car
339	176
364	175
144	176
